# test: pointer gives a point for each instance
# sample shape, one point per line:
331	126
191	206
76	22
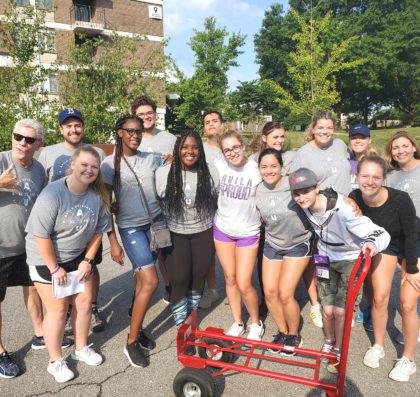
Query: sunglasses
132	131
28	139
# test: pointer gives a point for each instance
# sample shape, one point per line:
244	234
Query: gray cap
302	178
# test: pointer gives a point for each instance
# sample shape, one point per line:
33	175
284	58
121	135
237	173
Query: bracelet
88	260
55	270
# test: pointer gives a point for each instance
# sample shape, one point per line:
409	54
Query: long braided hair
174	201
119	150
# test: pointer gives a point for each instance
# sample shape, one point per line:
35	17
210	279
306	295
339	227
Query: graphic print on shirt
189	195
26	194
236	187
409	185
79	217
276	210
61	166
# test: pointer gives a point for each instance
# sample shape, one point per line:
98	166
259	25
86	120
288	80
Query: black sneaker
38	343
145	341
291	342
280	338
135	355
96	322
8	369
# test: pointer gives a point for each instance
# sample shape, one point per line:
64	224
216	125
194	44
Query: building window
50	85
46	5
47	41
22	3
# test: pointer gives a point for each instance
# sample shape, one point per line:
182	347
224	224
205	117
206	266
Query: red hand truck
219	352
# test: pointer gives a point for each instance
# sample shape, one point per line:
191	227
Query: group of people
297	214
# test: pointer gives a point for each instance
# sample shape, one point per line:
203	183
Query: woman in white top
236	231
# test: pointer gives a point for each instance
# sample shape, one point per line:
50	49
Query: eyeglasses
149	113
28	139
233	149
132	131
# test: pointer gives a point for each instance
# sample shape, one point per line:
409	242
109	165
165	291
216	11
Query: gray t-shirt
162	142
213	153
56	160
16	204
407	181
191	222
285	223
331	165
68	219
132	210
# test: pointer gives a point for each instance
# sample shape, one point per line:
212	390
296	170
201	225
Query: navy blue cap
71	112
359	129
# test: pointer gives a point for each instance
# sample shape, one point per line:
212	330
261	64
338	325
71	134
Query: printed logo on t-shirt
189	195
236	187
411	186
79	217
61	166
26	194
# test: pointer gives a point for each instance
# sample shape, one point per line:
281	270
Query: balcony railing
87	19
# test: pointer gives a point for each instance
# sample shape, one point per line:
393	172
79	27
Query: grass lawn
295	139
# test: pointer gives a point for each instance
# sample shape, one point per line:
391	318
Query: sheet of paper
73	286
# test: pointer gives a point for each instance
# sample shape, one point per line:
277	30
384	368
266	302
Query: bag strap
143	196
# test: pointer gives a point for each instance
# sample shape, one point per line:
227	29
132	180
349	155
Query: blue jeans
136	242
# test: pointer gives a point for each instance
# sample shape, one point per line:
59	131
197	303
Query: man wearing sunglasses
21	180
56	160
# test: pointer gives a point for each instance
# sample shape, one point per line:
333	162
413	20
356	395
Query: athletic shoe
96	322
368	326
145	341
8	369
402	370
87	355
60	371
399	338
235	329
291	342
316	315
333	367
280	339
38	343
373	355
327	347
256	331
363	316
209	297
166	295
135	355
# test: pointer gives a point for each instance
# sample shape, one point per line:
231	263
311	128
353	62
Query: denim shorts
393	250
136	242
303	250
241	242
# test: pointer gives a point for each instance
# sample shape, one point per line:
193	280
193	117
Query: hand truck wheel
214	354
194	382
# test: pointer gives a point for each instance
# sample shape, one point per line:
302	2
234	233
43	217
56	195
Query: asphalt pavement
115	377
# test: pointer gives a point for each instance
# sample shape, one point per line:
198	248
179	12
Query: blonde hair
230	134
97	185
325	114
390	162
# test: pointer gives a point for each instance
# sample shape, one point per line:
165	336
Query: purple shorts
241	242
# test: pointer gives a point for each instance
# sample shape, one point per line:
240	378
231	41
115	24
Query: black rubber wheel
194	382
204	352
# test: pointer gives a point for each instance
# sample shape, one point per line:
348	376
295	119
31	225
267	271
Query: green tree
21	92
105	74
215	53
313	67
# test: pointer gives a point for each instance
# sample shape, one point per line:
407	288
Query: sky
182	17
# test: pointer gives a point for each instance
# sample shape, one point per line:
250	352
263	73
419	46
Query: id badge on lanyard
322	266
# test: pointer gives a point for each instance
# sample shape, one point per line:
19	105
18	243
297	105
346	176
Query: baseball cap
359	129
71	112
302	178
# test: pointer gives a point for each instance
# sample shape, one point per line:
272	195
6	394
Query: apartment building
68	20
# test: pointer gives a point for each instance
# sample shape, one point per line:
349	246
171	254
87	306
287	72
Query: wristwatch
88	260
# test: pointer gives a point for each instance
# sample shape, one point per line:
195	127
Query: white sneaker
327	347
60	371
402	370
256	331
209	297
316	315
373	355
235	329
87	355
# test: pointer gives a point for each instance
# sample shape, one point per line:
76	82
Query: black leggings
187	262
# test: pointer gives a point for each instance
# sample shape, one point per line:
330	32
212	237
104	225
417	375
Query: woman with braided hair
189	209
123	171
